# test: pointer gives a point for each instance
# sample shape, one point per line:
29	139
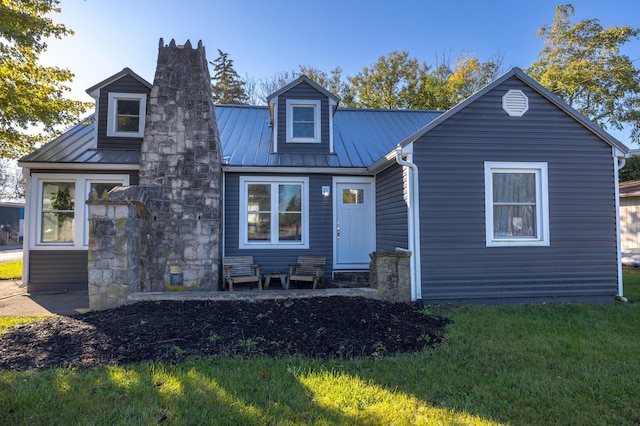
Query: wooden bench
307	268
241	269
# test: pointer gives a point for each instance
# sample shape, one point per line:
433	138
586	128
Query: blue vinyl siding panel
320	220
581	262
57	270
126	84
391	210
306	92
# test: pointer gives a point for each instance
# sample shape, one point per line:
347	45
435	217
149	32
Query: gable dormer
121	105
302	118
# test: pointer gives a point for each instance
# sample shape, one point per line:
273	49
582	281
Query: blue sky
264	37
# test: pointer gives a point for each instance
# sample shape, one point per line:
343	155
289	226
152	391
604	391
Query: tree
471	75
276	82
12	181
582	64
228	87
392	82
333	81
398	81
631	170
31	95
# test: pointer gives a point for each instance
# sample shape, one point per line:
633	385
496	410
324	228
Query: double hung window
303	121
274	212
60	217
126	114
516	210
57	212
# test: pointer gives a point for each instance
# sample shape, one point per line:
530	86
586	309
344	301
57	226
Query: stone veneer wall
142	237
114	251
390	274
180	168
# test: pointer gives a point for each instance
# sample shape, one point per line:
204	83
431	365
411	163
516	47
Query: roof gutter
34	166
414	225
297	170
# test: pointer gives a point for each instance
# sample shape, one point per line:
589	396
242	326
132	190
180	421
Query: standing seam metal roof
361	137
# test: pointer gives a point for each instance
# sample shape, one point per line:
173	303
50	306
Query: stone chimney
180	171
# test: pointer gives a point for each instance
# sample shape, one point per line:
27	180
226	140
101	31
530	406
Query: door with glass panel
354	225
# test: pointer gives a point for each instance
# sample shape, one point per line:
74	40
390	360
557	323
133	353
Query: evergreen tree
228	87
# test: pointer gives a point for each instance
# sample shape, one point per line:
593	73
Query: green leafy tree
398	81
583	65
333	81
31	95
470	75
228	87
392	82
631	170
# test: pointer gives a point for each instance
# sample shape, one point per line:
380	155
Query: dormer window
126	115
303	121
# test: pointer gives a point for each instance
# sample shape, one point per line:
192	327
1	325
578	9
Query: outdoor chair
307	268
241	269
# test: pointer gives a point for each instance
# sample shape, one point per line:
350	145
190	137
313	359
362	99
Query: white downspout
414	225
621	161
28	223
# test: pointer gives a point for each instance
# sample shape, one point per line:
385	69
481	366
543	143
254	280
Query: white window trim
81	229
316	120
244	211
542	202
112	112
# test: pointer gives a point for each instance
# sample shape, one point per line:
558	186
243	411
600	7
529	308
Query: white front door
355	222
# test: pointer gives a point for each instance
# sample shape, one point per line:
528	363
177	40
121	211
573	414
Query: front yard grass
517	364
11	270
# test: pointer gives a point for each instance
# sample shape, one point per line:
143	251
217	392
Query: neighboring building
11	222
630	215
508	197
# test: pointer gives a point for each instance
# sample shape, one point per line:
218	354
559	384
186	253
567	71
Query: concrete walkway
15	301
251	295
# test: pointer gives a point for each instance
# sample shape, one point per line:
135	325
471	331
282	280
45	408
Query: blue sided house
509	197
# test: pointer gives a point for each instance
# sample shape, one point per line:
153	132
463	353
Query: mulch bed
325	328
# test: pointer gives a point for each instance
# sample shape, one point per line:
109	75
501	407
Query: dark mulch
326	328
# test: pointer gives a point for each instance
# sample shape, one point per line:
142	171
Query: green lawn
574	364
11	270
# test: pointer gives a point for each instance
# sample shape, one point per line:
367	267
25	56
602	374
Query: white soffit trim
515	103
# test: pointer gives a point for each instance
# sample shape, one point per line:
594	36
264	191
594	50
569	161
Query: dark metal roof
78	146
361	137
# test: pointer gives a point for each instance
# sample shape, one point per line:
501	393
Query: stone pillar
114	252
390	273
180	170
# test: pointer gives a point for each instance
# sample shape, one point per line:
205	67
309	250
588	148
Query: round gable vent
515	103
